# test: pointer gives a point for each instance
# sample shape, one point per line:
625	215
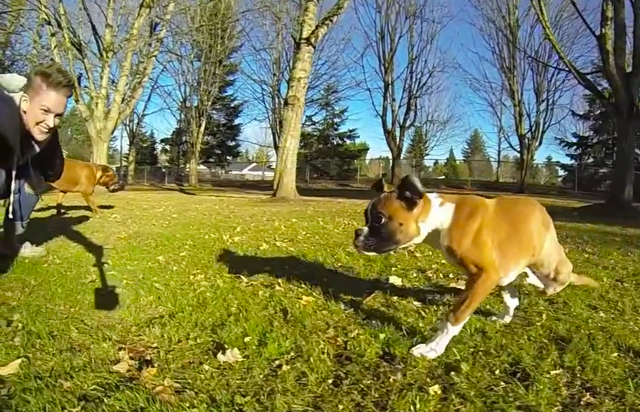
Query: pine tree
74	136
416	151
146	150
327	149
509	168
475	155
220	143
551	171
451	168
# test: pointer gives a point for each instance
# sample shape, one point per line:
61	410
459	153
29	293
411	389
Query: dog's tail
583	281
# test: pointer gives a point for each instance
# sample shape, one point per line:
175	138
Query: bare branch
401	63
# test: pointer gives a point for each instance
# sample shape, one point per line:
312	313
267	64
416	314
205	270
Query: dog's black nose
359	232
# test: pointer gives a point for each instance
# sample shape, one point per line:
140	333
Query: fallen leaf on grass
65	385
165	394
306	300
230	356
11	368
122	367
435	390
148	373
394	280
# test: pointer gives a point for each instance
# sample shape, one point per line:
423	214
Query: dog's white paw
430	350
504	318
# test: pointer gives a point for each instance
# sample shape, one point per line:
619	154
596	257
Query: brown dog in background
82	177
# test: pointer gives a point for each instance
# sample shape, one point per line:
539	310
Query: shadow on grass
335	285
44	229
83	208
362	191
596	214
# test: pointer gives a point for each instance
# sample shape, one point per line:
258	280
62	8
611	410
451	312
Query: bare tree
135	123
261	144
312	31
110	48
270	32
514	73
438	117
621	70
198	58
402	64
13	16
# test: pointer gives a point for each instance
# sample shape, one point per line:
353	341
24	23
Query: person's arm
10	130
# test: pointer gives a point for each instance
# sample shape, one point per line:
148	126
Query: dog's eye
378	220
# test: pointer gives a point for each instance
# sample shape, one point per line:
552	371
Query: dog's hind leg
511	302
59	202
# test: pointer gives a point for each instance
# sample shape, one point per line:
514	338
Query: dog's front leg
478	287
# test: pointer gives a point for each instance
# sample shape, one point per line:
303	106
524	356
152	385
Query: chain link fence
480	175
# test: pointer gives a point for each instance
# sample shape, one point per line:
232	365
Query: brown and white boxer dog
82	177
492	240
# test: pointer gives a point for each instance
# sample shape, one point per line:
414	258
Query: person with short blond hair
30	152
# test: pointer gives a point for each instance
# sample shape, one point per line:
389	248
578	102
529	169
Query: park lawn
317	326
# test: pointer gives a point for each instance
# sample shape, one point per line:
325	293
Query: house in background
250	171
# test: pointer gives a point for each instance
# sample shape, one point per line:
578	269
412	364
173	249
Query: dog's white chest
437	239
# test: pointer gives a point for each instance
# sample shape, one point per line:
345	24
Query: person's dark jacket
16	144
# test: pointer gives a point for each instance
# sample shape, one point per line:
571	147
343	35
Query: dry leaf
148	373
306	300
231	356
165	394
122	367
435	390
394	280
168	382
65	385
11	368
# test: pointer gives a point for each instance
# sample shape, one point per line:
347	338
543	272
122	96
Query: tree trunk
193	171
100	151
621	193
396	168
131	163
284	183
525	169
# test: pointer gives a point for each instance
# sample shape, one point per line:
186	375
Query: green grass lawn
317	326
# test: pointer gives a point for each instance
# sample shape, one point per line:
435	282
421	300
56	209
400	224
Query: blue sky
457	36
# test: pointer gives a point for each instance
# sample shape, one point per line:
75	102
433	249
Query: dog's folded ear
381	186
410	191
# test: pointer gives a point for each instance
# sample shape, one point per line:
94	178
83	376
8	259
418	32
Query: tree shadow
336	285
71	208
44	229
596	214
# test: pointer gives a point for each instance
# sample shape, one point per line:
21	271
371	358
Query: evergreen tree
592	152
74	136
327	150
220	144
552	176
146	150
437	170
451	168
475	155
509	168
416	151
175	146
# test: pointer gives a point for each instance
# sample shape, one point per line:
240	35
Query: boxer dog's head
393	218
106	177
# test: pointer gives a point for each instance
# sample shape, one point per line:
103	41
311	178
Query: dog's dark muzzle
115	187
